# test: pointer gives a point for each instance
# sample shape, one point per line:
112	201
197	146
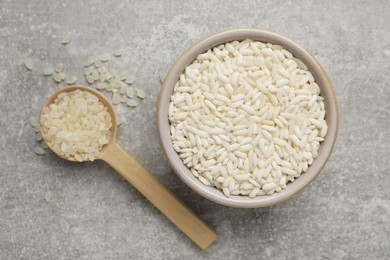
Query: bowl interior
215	194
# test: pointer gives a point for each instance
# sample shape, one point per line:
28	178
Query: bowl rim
199	187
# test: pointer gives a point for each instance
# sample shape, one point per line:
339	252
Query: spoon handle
159	195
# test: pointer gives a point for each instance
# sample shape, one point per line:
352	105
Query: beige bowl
298	51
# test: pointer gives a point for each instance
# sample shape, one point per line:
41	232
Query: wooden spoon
156	192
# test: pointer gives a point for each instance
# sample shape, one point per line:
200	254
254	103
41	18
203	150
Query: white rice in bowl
247	118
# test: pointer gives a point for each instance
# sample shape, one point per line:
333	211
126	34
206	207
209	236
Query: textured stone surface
94	214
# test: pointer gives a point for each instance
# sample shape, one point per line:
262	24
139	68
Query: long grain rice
246	117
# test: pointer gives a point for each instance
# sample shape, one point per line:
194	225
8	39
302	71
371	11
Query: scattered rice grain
98	63
130	92
162	76
118	52
38	137
29	64
48	195
104	57
71	80
141	93
48	72
66	39
89	62
130	79
132	103
57	77
34	121
39	150
123	98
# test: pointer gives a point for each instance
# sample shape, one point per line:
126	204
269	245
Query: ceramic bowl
212	193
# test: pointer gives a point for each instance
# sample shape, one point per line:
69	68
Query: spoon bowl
155	191
101	98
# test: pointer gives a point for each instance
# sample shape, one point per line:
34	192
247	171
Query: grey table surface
95	214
